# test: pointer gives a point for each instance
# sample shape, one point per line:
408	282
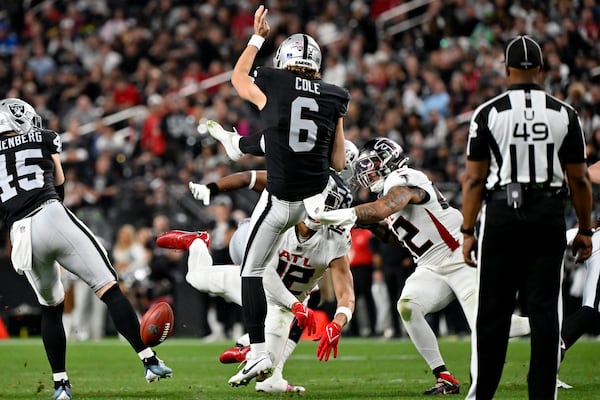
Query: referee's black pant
521	251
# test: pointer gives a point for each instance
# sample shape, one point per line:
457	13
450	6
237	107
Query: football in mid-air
157	324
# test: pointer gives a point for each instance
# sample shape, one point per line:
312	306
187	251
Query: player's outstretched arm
255	180
343	286
394	200
240	77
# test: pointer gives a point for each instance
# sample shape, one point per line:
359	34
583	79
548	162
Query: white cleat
260	368
562	385
278	385
229	140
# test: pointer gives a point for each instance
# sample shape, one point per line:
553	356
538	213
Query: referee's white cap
523	53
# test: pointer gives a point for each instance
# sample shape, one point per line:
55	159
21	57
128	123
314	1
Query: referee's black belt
528	191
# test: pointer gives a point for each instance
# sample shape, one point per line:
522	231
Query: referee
521	145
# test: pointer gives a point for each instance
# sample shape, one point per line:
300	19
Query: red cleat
234	355
181	240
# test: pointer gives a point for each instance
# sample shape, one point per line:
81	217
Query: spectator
361	265
131	262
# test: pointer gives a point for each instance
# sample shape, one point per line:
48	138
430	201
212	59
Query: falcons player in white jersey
303	256
421	218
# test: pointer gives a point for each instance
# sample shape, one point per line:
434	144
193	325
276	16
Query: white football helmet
21	115
347	173
5	123
299	49
376	160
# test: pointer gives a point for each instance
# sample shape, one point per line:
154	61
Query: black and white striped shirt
527	135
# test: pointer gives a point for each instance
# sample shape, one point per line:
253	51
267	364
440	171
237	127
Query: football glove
329	341
305	317
343	216
200	192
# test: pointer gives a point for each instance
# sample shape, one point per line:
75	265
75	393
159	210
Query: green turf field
364	369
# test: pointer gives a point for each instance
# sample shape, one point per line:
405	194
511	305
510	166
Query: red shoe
181	240
234	355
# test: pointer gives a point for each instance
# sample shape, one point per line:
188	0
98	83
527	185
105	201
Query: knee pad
406	307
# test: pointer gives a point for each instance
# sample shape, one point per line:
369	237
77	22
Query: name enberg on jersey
14	141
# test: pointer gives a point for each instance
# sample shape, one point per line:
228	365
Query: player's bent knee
405	309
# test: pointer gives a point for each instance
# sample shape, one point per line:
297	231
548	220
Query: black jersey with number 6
299	118
27	172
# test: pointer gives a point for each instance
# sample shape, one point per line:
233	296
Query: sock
258	348
438	370
251	145
58	378
146	353
54	337
254	307
577	324
124	317
290	345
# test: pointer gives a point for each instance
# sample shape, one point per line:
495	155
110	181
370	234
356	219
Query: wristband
252	179
214	189
256	41
585	232
470	231
346	311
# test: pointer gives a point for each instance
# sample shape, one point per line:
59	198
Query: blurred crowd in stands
164	65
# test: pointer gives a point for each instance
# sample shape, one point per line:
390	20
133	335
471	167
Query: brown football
157	324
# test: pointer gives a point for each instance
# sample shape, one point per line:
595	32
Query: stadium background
127	82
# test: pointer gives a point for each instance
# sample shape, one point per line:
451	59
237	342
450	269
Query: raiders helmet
376	160
300	50
21	116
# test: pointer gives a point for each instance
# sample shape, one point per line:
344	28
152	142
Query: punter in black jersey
46	235
302	118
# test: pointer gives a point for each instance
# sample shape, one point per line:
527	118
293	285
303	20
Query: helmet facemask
369	173
378	159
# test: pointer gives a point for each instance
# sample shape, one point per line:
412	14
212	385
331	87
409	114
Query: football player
44	233
421	218
586	320
305	253
303	119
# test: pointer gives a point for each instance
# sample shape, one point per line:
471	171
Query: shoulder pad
405	177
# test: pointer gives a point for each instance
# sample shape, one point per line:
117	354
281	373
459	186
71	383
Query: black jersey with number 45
26	172
299	118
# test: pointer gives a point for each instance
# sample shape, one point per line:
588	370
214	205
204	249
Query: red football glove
305	317
329	340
